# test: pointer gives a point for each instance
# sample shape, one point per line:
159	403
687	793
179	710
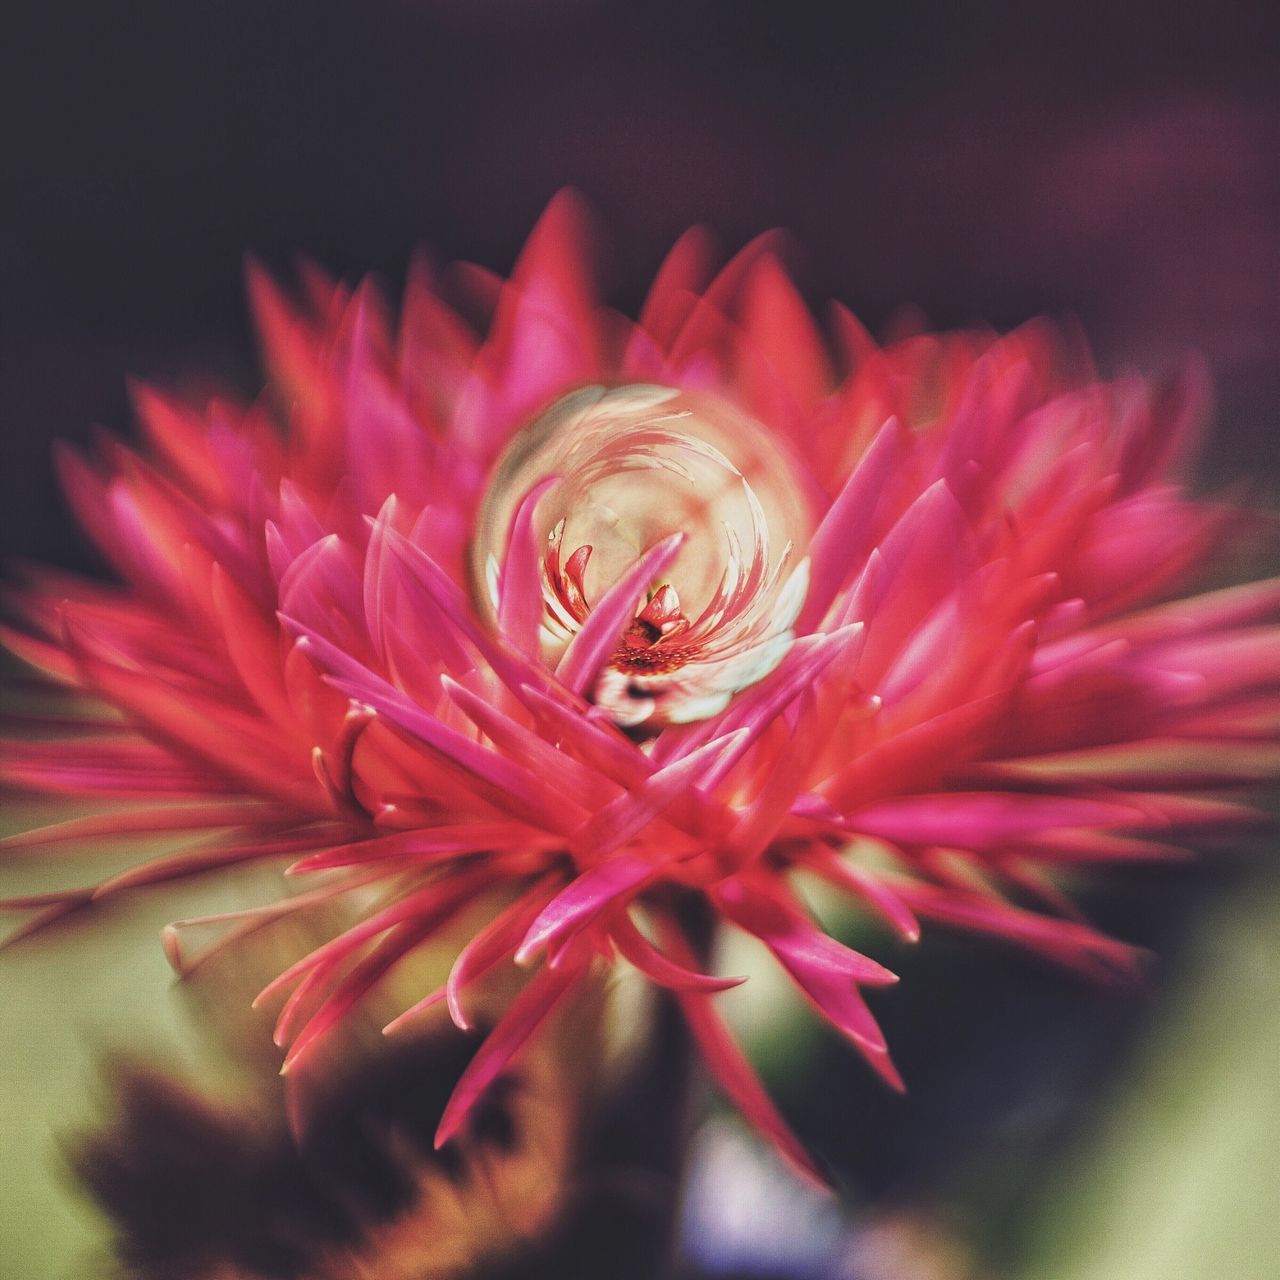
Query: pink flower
609	617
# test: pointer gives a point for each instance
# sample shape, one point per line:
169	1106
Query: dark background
985	161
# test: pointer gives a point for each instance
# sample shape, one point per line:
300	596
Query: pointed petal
610	616
660	968
527	1013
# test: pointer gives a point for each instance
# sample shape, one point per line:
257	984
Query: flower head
585	618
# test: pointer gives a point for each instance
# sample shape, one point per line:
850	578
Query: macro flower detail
579	620
636	468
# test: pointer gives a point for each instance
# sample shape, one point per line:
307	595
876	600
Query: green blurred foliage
92	987
1179	1179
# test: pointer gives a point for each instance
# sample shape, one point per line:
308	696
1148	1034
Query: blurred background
984	162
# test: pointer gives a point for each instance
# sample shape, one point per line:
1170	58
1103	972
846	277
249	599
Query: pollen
653	661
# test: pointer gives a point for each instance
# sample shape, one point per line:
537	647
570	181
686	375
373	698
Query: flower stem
627	1226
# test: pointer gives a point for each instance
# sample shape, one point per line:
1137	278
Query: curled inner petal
634	465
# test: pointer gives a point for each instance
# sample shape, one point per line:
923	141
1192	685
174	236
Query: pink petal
527	1013
610	616
824	969
632	811
658	967
872	889
496	942
984	820
847	527
586	897
733	1073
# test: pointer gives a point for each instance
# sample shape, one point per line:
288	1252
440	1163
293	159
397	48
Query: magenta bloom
591	618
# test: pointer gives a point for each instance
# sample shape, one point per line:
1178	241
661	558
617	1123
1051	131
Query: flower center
634	465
